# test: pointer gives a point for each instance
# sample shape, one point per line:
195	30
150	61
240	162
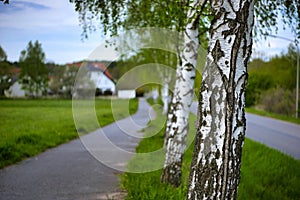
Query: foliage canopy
34	74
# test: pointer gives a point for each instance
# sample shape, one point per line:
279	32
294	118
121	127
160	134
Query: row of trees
215	169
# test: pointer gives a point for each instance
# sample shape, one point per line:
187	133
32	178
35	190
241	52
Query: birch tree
216	162
177	123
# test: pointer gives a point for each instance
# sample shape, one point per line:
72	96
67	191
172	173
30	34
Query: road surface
277	134
70	171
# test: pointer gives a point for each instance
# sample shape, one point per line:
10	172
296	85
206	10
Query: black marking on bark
174	118
229	40
189	67
205	113
175	130
217	52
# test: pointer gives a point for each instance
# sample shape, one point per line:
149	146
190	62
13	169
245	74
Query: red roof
95	64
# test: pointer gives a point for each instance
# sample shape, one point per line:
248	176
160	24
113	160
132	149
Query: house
99	75
15	90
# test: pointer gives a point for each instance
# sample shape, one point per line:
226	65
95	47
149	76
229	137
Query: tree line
37	77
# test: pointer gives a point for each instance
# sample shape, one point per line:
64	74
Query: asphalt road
277	134
70	171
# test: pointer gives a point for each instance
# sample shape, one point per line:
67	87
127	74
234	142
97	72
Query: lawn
265	173
29	127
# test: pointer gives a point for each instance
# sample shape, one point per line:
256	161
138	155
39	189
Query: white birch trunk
177	124
215	168
165	96
155	95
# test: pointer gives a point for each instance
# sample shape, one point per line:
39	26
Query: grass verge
265	173
273	115
29	127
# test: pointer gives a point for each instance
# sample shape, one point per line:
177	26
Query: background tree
34	74
62	80
6	74
84	87
5	1
3	56
177	123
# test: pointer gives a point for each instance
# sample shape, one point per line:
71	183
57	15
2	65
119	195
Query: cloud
33	15
54	23
18	6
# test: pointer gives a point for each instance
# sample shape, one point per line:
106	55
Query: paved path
277	134
70	171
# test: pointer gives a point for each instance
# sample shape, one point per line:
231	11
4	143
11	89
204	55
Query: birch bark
215	168
177	123
165	95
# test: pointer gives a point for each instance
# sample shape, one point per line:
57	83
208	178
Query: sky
55	24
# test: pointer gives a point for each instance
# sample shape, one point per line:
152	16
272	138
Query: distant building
126	94
99	75
15	90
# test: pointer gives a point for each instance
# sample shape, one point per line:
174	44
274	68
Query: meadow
29	127
265	173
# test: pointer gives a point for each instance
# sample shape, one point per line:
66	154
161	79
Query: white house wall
102	81
15	91
126	94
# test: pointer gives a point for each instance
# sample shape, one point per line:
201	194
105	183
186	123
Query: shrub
98	92
278	100
257	83
107	92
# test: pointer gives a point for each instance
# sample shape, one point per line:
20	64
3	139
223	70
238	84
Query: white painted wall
102	81
15	91
126	94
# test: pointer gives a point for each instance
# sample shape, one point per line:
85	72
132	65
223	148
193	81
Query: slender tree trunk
177	124
165	95
215	168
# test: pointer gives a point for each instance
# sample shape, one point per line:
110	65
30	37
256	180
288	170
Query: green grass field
29	127
265	173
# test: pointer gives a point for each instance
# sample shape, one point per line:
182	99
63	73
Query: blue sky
54	23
